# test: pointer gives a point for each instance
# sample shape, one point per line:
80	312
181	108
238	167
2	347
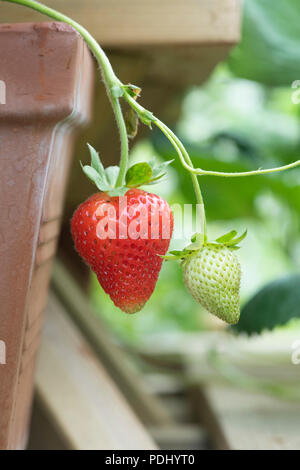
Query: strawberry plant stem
116	90
112	83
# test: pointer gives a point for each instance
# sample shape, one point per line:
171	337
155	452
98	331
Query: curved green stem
184	156
115	89
109	77
260	171
180	150
124	142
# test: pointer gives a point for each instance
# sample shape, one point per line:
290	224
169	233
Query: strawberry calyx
137	175
199	240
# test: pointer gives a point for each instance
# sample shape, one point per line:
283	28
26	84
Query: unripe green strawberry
212	275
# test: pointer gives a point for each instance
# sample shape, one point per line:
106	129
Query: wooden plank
240	420
186	436
117	362
141	22
82	400
43	433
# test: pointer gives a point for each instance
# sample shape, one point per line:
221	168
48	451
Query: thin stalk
113	84
109	76
259	171
180	150
185	158
183	154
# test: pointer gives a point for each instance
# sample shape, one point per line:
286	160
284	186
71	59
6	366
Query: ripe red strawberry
127	262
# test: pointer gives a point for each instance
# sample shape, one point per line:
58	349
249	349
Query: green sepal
138	174
104	179
176	255
227	237
197	242
237	240
121	191
111	173
160	170
98	179
230	239
95	160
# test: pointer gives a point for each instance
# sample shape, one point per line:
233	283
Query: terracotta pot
46	74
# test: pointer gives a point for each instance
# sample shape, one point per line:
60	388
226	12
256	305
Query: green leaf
160	169
276	304
227	237
157	180
138	174
95	160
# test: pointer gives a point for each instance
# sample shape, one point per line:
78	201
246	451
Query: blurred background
237	111
224	77
234	103
236	114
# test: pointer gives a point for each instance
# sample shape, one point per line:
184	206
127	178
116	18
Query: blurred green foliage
274	305
233	124
269	51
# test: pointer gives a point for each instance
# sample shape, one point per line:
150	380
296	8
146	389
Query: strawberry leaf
138	174
159	170
275	304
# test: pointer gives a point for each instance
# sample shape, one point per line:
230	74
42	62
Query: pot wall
48	74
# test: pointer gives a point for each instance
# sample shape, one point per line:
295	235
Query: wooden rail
240	420
118	364
144	22
86	408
